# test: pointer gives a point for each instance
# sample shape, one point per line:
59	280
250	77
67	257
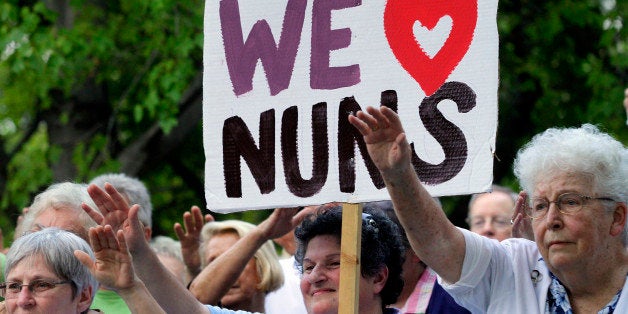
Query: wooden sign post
350	250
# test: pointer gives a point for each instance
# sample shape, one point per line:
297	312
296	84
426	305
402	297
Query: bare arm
216	278
165	288
113	268
433	237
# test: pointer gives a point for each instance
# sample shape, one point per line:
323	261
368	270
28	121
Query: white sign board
281	76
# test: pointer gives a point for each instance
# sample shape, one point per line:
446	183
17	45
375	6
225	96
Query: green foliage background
84	83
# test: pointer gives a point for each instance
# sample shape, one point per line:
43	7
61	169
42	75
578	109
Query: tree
93	86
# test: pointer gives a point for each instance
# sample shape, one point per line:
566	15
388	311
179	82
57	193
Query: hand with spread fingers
114	210
113	268
190	238
384	136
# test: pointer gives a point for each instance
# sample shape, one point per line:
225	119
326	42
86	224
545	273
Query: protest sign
281	77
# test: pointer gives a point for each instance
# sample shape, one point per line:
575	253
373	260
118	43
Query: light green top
109	302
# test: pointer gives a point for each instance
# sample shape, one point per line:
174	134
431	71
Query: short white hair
584	150
61	195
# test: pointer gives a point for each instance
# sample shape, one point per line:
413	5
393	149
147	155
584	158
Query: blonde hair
266	259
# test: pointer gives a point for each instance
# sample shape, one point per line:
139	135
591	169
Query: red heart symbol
399	19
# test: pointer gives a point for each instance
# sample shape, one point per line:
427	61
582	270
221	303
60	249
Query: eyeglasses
498	222
11	289
567	203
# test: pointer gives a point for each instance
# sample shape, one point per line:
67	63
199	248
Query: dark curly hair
381	245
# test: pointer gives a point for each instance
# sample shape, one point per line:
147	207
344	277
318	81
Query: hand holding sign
429	69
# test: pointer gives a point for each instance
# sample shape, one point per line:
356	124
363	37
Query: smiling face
321	275
321	278
573	242
244	291
59	299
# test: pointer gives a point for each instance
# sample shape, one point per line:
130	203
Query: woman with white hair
576	179
43	275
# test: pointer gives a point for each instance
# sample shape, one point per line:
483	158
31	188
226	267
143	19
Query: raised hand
113	265
190	238
384	136
113	268
114	210
521	223
280	222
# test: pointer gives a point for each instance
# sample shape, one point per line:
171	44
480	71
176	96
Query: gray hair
61	195
168	247
586	151
135	191
56	247
494	188
266	259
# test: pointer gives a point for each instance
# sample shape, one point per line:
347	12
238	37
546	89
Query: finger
93	238
520	205
209	218
379	117
391	117
517	220
102	238
84	259
198	217
94	214
100	198
188	221
367	118
360	125
134	220
119	202
178	230
122	242
110	238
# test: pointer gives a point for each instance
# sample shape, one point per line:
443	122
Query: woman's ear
619	219
85	299
379	280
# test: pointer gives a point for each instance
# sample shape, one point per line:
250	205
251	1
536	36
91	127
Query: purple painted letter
278	60
324	40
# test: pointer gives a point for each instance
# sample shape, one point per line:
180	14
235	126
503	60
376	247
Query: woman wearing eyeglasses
54	271
43	276
576	179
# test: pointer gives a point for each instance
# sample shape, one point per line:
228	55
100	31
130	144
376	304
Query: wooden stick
350	250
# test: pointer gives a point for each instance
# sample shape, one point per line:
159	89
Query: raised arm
433	237
190	238
165	288
216	278
113	268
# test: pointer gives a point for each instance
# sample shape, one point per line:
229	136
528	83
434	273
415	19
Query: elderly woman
44	276
261	275
576	179
318	255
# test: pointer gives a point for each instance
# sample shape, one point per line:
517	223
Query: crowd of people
558	246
